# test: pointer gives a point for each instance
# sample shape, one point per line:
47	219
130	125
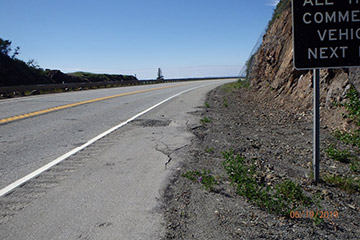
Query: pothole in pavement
151	122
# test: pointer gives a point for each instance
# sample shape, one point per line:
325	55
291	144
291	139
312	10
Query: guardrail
81	85
35	89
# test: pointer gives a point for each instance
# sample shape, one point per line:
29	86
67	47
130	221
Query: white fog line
37	172
20	99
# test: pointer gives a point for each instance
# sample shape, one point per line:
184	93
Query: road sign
326	33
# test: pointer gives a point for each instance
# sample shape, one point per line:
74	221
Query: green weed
207	105
226	104
205	120
230	87
351	138
282	199
353	105
209	150
338	155
355	166
353	112
205	178
348	184
27	93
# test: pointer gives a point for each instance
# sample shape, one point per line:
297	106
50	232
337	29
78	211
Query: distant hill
91	77
15	72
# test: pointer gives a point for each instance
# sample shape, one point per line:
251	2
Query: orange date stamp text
314	214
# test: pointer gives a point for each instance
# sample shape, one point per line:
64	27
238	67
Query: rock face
272	72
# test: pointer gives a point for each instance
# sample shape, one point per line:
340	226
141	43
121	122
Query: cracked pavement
168	148
112	189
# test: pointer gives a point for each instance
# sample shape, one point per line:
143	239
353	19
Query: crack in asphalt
168	151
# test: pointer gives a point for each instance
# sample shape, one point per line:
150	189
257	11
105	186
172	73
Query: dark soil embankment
271	125
280	142
15	72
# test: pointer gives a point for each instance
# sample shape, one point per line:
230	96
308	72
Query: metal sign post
326	34
316	133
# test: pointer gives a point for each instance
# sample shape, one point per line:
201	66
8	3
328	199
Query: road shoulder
111	189
280	144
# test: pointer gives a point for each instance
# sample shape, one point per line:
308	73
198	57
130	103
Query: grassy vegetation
348	184
209	150
205	178
352	107
226	104
282	199
230	87
353	113
344	156
207	105
338	155
355	166
351	138
205	120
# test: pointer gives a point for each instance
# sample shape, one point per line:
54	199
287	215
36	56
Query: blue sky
186	38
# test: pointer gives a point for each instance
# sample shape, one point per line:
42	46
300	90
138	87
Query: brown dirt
280	141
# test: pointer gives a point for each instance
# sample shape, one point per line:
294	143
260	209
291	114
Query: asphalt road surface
103	189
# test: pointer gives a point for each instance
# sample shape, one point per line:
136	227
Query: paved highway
29	143
107	189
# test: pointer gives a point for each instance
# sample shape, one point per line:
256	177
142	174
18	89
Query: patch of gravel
280	142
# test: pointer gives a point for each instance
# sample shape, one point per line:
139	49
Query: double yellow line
27	115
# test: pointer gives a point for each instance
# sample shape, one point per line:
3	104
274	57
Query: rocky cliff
273	74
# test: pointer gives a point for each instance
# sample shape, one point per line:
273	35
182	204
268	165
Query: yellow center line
27	115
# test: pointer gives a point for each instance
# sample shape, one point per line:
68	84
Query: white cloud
273	3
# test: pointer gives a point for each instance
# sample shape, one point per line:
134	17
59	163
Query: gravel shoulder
280	143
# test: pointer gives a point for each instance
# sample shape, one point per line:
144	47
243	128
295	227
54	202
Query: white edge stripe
23	180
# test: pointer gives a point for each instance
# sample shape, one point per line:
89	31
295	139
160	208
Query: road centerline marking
40	112
46	167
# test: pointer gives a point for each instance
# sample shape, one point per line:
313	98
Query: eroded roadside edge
266	134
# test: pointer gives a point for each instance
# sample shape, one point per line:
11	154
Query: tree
33	64
5	46
160	76
16	52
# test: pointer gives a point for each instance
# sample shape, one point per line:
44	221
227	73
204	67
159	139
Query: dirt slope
280	142
269	124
